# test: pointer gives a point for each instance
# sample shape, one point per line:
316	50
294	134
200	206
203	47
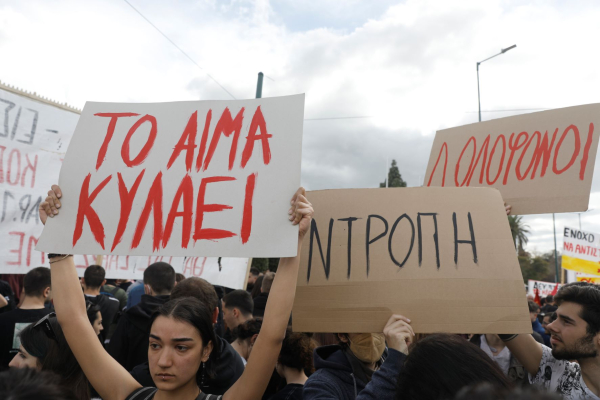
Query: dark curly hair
297	351
247	329
588	296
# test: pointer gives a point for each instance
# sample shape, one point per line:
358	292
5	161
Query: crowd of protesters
171	337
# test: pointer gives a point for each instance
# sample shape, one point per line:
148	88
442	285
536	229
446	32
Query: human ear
47	292
206	351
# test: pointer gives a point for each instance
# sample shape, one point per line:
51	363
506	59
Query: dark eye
154	346
182	348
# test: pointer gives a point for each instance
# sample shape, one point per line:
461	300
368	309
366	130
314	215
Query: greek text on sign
541	162
581	251
443	257
210	178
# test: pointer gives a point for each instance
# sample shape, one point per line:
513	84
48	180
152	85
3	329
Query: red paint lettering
126	197
153	203
85	210
185	192
542	151
247	217
586	150
2	148
147	147
109	133
484	151
226	126
444	148
575	151
513	148
472	138
186	143
31	167
258	121
10	168
203	141
31	248
487	170
201	208
18	251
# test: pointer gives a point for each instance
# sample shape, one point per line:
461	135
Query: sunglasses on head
45	325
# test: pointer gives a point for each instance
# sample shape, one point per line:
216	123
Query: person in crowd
485	391
252	277
360	366
36	293
547	320
440	365
534	310
134	294
495	348
572	367
95	317
549	307
260	301
30	384
129	343
295	359
44	347
111	288
92	281
228	365
179	277
244	336
237	308
255	292
7	297
182	343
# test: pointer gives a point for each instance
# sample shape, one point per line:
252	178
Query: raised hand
301	211
398	333
49	207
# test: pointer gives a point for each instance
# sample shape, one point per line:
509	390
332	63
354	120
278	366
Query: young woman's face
98	323
175	353
25	360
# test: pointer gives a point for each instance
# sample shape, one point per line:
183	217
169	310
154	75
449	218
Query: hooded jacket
228	370
109	308
335	379
129	344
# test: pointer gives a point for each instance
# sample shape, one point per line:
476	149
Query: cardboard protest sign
34	135
581	251
541	162
210	178
544	288
442	257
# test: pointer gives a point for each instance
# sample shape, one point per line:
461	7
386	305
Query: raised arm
265	352
106	375
526	350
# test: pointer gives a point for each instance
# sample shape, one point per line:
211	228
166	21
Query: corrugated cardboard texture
541	162
486	296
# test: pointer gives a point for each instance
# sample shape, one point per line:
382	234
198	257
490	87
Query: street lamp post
495	55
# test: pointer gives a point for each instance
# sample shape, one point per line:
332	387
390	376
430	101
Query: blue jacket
334	379
537	327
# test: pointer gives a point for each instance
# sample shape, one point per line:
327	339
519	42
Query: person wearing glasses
182	336
44	348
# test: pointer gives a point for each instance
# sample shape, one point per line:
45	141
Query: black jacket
109	307
260	303
229	368
129	344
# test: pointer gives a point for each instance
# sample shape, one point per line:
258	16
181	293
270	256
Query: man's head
253	275
548	319
575	335
267	282
549	299
534	310
159	279
237	308
37	283
201	290
93	277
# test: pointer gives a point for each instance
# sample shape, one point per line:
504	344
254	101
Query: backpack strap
144	393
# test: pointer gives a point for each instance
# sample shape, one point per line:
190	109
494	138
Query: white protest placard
34	135
210	178
581	251
544	288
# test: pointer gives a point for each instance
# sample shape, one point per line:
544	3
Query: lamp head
508	48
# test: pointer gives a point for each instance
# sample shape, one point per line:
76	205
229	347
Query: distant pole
555	252
386	172
259	85
502	51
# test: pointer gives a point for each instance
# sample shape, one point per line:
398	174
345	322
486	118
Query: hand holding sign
49	208
399	335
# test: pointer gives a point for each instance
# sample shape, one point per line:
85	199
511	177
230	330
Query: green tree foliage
538	267
262	264
519	232
394	177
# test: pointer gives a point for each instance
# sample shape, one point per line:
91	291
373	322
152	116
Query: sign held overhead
541	162
210	178
442	257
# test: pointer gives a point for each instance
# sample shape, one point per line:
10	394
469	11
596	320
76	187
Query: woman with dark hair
180	342
44	348
94	315
440	365
244	337
257	285
295	360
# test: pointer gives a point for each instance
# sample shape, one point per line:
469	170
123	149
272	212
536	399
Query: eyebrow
183	339
565	318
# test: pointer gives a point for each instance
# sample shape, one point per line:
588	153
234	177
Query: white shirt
561	376
502	358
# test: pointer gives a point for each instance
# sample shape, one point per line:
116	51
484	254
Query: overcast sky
409	67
